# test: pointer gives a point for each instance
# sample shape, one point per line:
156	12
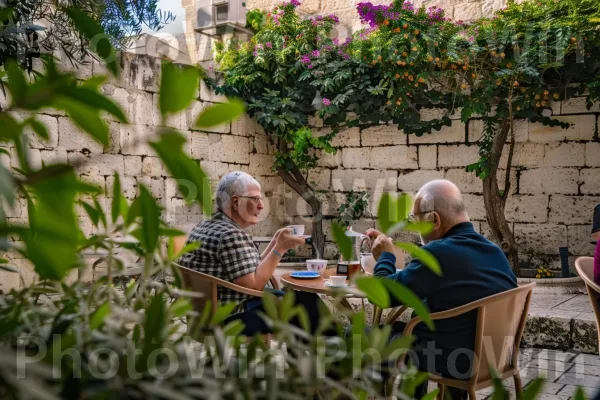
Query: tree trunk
294	178
495	200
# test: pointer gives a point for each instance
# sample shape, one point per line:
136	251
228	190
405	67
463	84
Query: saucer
328	283
305	275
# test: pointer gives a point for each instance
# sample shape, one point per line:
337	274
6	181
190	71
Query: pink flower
310	66
315	53
305	59
269	45
326	101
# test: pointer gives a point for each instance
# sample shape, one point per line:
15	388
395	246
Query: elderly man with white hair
472	268
228	253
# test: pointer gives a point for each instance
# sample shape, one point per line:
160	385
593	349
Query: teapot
349	267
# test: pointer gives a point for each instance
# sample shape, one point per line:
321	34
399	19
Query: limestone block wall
555	182
220	150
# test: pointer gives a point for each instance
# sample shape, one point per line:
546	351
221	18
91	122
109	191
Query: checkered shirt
226	252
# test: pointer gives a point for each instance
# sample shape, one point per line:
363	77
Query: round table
317	285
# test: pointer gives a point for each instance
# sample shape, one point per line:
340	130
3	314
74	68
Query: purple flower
295	3
310	66
333	18
305	59
326	101
255	53
269	45
315	53
315	22
336	41
408	6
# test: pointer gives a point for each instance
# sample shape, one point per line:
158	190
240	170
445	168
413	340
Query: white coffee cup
297	230
316	265
337	280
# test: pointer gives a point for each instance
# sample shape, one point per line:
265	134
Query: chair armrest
221	282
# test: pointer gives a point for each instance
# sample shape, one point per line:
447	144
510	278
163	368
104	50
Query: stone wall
221	149
555	182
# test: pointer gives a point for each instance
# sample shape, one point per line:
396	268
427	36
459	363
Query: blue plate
305	275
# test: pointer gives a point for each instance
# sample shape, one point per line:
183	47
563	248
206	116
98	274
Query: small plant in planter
543	273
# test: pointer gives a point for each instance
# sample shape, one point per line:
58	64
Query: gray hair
443	197
233	184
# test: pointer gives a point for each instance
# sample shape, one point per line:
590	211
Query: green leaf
393	210
180	307
85	117
97	318
94	83
374	290
99	42
270	305
220	114
423	255
285	306
51	243
116	199
191	179
405	296
154	326
431	395
579	394
187	249
223	311
178	87
91	212
16	80
93	99
101	213
300	312
38	128
150	214
533	389
7	185
421	227
342	240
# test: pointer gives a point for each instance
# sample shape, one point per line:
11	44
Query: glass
413	217
255	199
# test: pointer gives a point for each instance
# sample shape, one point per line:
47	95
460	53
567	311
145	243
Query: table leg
377	311
346	304
395	314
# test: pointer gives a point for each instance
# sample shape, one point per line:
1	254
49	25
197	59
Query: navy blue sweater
472	268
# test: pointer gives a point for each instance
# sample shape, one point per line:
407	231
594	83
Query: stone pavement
564	371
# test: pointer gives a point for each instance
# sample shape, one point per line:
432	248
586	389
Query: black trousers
254	324
426	363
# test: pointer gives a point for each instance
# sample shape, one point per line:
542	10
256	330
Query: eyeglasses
413	217
255	199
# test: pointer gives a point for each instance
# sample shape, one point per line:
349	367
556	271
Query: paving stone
579	380
569	390
588	359
551	388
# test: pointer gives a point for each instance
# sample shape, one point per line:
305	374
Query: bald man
472	268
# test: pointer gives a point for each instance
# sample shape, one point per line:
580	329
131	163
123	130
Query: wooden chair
585	269
499	317
204	283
